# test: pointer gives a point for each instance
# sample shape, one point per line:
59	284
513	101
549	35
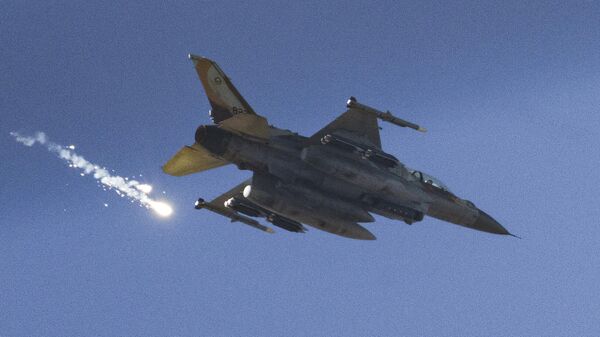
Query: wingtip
515	236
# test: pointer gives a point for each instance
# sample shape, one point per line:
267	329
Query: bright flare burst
123	186
161	208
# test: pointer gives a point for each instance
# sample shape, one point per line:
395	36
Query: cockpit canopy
426	178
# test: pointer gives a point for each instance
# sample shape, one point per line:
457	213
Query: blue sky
507	90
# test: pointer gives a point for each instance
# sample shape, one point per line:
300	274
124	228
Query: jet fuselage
331	188
332	180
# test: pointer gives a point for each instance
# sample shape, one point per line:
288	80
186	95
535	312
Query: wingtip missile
200	203
384	116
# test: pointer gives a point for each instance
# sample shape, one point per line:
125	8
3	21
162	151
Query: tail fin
224	98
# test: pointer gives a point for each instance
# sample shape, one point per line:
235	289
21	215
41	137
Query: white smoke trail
123	186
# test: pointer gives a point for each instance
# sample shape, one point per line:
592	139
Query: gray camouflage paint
316	183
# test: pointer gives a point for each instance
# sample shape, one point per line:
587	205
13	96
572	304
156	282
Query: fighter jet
333	180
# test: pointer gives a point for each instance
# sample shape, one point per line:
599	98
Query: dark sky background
510	94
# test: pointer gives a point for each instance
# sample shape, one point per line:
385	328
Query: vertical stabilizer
224	99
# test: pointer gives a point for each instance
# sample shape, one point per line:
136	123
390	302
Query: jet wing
217	206
357	124
192	159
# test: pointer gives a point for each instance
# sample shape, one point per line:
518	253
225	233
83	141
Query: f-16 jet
333	180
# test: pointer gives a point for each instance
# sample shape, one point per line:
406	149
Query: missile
366	152
285	223
233	216
384	116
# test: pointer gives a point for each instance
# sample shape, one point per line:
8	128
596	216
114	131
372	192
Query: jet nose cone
356	231
487	224
366	235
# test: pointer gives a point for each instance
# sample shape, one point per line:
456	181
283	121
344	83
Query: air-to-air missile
384	116
233	216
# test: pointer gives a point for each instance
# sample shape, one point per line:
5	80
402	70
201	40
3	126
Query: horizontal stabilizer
192	159
248	125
